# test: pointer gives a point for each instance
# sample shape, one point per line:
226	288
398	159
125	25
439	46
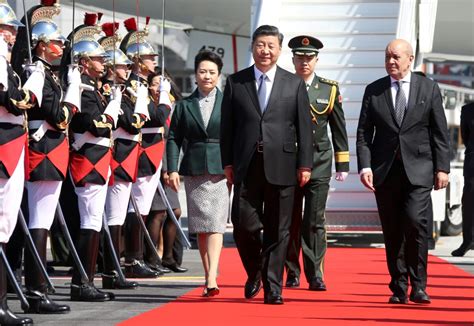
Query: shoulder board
328	81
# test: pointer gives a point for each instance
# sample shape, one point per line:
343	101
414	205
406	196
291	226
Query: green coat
201	146
327	110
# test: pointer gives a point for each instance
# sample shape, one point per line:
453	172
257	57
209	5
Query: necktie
400	103
262	92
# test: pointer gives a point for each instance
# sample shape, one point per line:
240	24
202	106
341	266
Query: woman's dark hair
206	55
175	91
267	30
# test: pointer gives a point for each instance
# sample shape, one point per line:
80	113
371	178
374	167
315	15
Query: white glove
3	47
141	104
116	94
74	90
35	81
73	75
165	88
113	110
3	72
341	176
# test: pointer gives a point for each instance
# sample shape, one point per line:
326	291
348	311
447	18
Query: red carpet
357	295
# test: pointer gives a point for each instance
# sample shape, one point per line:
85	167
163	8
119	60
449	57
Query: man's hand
229	174
367	179
341	176
303	176
441	180
174	181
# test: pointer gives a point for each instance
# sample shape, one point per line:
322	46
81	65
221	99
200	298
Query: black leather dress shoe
419	296
7	317
394	299
40	303
273	298
252	287
138	269
317	284
175	268
112	281
461	251
292	281
88	292
159	268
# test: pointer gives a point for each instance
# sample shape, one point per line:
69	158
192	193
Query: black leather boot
88	249
36	285
6	316
110	279
135	267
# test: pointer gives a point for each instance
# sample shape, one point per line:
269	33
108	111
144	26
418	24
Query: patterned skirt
207	199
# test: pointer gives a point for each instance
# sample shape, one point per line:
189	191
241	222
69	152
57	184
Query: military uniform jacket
202	154
90	162
48	145
127	138
13	103
326	109
152	144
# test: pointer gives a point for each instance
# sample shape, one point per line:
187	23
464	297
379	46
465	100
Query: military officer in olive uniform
309	233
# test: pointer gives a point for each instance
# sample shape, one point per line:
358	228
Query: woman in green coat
196	124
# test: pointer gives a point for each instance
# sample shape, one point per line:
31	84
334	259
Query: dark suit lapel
252	89
215	118
388	98
195	111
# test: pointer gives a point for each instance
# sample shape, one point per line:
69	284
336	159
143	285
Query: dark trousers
309	233
260	205
468	211
403	213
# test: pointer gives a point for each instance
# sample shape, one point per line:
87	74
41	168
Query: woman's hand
166	178
174	181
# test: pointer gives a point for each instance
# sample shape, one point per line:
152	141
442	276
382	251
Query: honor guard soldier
14	101
125	154
137	48
90	131
48	150
326	110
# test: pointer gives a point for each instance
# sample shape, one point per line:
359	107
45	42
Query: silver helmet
110	42
134	43
7	15
85	44
43	28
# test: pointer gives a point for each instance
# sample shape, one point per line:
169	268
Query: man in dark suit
402	151
326	111
467	134
266	151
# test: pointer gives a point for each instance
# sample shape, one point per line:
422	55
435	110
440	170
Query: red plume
110	28
130	24
48	2
147	20
99	16
90	19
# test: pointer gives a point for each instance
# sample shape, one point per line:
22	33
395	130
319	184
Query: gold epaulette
328	81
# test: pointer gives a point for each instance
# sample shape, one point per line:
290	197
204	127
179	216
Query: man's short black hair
206	55
267	30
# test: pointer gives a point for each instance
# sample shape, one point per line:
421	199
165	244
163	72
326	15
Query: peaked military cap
305	45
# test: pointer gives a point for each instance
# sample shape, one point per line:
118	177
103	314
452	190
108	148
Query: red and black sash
59	157
10	153
81	166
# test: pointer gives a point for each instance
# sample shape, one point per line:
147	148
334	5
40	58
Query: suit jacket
284	127
467	134
326	111
422	140
202	153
